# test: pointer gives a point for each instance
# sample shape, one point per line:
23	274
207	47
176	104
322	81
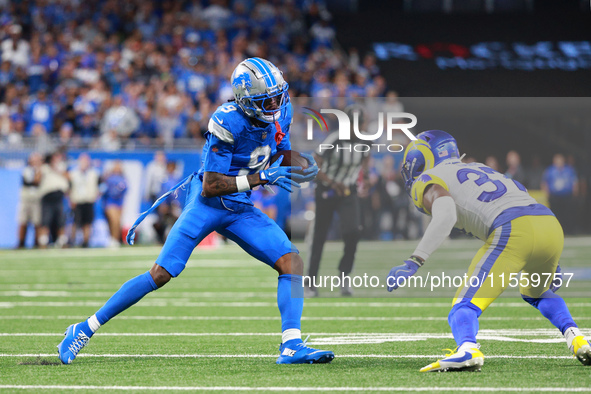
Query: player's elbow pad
444	215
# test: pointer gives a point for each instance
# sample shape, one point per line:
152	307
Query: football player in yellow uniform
519	235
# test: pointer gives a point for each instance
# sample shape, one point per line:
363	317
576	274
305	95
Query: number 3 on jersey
482	179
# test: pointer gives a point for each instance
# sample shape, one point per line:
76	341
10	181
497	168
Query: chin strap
279	134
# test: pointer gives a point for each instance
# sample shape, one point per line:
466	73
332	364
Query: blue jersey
561	181
236	147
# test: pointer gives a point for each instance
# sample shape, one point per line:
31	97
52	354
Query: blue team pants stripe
501	243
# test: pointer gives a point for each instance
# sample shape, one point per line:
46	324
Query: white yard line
283	388
277	318
105	295
127	265
309	304
393	356
486	332
328	339
113	286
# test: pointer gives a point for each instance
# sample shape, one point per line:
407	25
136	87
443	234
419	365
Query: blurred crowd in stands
109	74
60	198
560	185
389	214
55	198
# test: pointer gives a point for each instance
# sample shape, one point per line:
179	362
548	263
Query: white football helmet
259	89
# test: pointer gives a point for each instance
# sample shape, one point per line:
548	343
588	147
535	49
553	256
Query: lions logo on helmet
431	148
260	90
242	81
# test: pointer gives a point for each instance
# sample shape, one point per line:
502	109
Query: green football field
216	327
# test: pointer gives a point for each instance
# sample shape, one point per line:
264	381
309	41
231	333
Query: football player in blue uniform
242	136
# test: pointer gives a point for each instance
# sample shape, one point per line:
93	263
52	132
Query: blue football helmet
259	89
431	148
442	144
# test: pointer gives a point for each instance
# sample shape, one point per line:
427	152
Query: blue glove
280	176
408	269
309	173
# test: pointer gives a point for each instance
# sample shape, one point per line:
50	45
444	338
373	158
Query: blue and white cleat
295	351
466	360
76	338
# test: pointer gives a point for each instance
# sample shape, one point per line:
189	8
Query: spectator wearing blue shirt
52	62
6	74
41	111
562	186
114	189
36	72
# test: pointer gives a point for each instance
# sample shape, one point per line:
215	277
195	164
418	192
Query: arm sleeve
444	219
218	155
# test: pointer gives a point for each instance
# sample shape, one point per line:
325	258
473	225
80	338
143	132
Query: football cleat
74	341
581	348
295	351
465	360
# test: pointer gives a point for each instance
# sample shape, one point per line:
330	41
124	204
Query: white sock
291	333
93	323
570	335
467	346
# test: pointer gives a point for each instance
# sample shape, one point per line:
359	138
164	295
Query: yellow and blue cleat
295	351
466	360
76	338
581	348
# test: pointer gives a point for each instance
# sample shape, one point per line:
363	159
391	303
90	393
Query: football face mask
417	159
269	106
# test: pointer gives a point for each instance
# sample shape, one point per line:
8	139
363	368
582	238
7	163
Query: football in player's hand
291	158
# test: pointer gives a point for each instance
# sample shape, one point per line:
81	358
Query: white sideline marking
323	339
118	264
502	332
277	318
430	356
281	389
152	251
251	283
163	295
181	303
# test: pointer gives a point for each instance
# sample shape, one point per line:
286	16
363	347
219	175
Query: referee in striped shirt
336	191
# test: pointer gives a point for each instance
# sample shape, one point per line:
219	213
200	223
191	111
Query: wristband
417	260
242	183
